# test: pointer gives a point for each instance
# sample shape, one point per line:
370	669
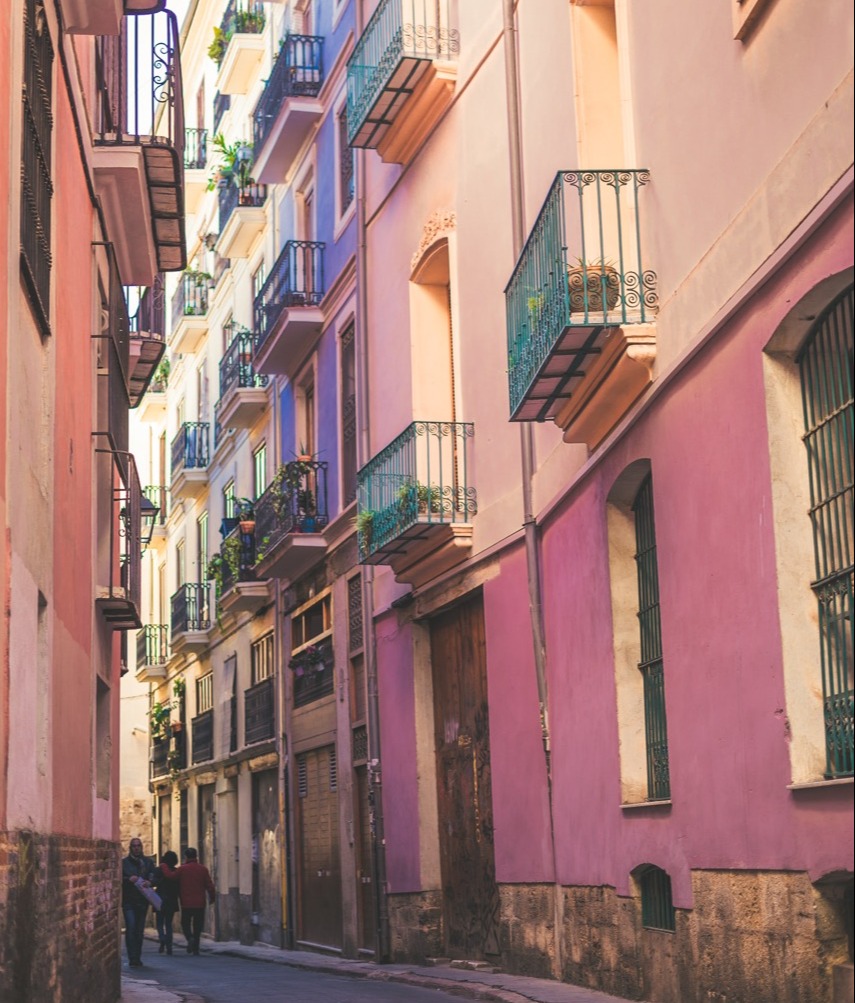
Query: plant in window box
307	661
364	523
588	281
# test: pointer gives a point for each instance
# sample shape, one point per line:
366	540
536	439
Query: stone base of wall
135	820
59	919
527	937
415	926
767	937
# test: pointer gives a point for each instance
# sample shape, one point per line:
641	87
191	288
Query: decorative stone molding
440	223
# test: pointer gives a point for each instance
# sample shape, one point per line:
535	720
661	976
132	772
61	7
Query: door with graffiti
469	891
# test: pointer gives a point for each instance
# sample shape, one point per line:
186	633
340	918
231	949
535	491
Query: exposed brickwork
59	919
415	925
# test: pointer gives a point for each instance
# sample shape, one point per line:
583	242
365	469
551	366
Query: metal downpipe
532	552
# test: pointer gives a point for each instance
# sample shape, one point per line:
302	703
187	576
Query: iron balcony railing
191	297
582	267
294	502
296	279
195	149
153	645
160	757
297	72
114	350
317	682
222	103
422	477
158	495
258	710
242	17
191	608
190	447
384	66
232	196
140	102
238	557
203	737
236	370
146	307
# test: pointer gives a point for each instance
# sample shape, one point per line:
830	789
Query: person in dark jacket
194	884
167	889
137	873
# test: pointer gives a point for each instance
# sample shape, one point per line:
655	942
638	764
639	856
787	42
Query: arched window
657	908
825	366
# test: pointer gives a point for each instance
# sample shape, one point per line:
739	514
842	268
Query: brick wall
59	919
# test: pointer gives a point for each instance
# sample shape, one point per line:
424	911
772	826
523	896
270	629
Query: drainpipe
375	774
532	552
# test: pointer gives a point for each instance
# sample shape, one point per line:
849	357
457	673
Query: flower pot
596	277
177	727
308	524
247	526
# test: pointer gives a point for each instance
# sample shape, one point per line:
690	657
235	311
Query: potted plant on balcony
307	661
249	22
593	278
219	44
158	719
246	515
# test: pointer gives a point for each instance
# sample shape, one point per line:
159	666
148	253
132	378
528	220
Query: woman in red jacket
194	884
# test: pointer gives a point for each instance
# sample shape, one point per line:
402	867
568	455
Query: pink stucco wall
5	97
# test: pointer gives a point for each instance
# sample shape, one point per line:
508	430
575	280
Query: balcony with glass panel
243	391
416	500
288	315
147	320
581	307
290	517
239	42
195	167
190	458
152	653
243	217
190	619
401	77
240	589
288	108
190	311
138	144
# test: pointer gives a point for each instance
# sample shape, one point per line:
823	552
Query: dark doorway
266	890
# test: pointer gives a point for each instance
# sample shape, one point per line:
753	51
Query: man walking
137	873
194	883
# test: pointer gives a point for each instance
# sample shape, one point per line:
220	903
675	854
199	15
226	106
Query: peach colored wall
5	182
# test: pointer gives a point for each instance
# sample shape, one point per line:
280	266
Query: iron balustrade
657	908
296	279
158	495
191	608
231	196
195	149
297	72
312	684
258	710
146	306
384	66
115	356
153	645
238	559
582	267
190	447
191	296
159	757
294	502
422	477
243	17
222	103
203	737
236	369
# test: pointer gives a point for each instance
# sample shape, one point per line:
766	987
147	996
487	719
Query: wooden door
365	905
266	890
207	845
469	891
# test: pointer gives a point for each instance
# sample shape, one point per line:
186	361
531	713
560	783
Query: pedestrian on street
194	882
137	873
167	889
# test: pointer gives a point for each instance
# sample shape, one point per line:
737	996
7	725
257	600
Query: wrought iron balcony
119	600
152	652
159	757
288	106
222	103
311	685
259	712
241	45
287	309
138	146
191	296
399	80
114	353
242	217
159	497
581	274
190	616
242	395
416	499
203	737
190	447
289	517
195	149
147	316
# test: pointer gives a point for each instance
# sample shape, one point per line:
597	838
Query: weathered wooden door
470	894
164	826
266	890
319	863
365	905
207	845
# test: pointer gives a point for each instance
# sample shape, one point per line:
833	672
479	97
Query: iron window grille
261	656
205	693
825	367
36	182
657	908
349	464
345	168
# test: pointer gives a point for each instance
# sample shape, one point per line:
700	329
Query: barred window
657	909
262	659
825	366
36	183
205	693
346	175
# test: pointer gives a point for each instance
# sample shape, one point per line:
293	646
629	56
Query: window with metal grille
348	414
261	654
360	745
205	693
346	173
655	726
36	183
333	770
354	612
302	777
657	909
825	366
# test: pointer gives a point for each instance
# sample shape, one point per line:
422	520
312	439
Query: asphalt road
224	979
